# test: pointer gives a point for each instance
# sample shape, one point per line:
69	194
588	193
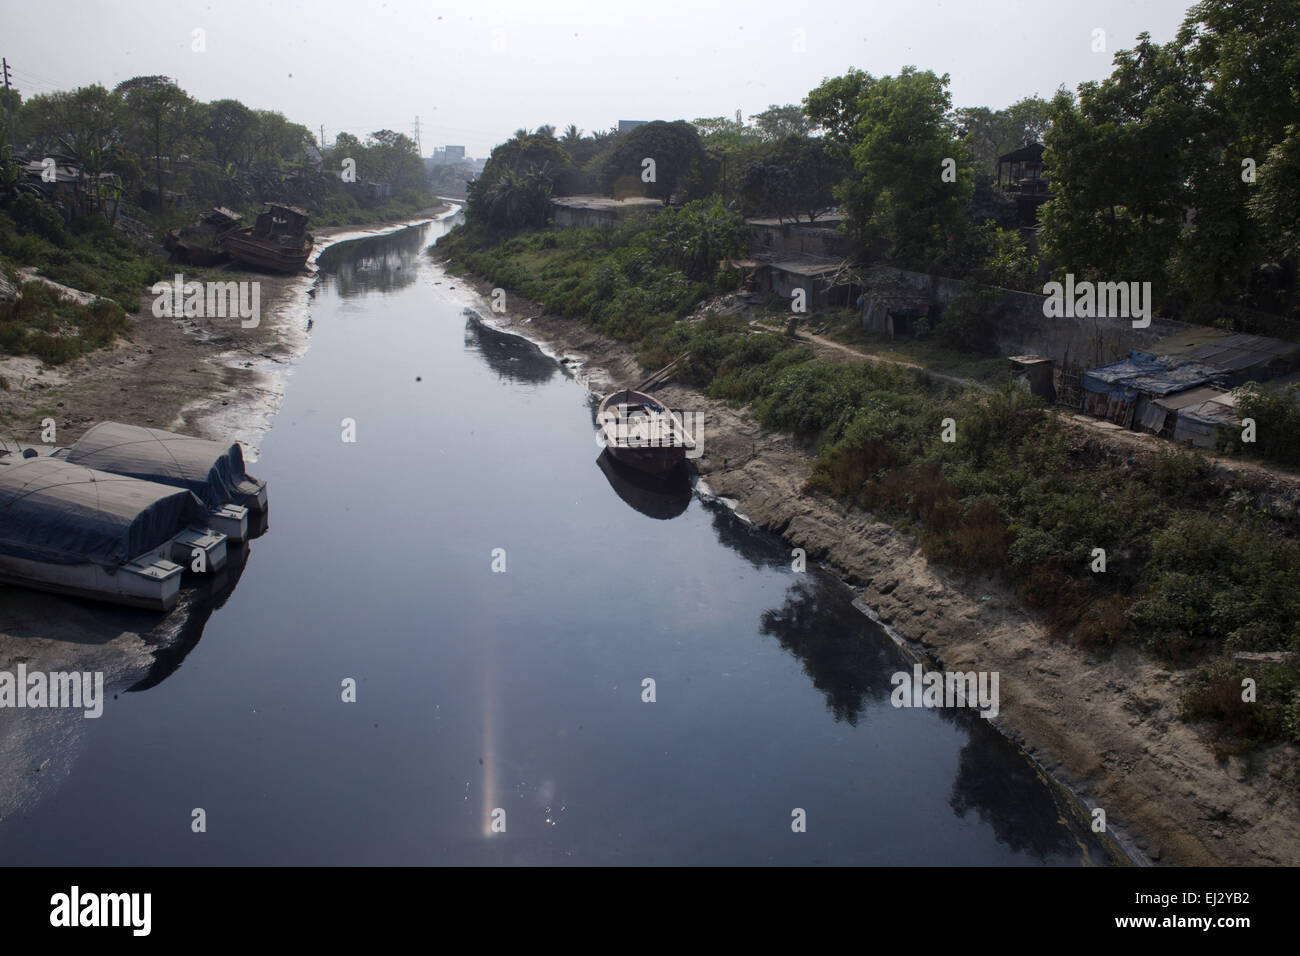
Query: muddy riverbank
1105	729
206	376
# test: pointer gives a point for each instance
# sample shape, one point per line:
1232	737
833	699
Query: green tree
1119	169
161	115
677	153
912	175
777	122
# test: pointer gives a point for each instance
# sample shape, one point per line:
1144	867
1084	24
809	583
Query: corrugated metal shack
1194	417
1241	358
1123	392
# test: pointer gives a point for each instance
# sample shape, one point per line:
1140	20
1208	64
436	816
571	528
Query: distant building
597	210
626	126
454	154
781	236
1025	180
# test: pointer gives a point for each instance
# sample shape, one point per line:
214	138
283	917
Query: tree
162	115
675	149
834	108
230	127
798	176
912	176
777	122
1119	168
82	127
1275	205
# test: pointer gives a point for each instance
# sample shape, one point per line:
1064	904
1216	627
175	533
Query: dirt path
1105	729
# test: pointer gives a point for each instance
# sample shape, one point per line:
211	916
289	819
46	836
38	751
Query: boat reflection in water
661	498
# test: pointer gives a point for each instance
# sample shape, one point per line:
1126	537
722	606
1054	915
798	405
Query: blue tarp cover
212	470
1143	372
54	511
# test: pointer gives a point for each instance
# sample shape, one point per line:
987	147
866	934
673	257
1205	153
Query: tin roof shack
1022	177
1241	358
1194	417
781	237
822	280
1123	391
1035	372
598	210
71	188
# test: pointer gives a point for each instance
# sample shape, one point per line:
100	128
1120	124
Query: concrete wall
1014	322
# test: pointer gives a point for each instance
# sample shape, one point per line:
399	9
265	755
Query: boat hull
265	255
152	581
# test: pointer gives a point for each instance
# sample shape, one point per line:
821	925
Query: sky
475	71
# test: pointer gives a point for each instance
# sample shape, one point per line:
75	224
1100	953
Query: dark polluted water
515	696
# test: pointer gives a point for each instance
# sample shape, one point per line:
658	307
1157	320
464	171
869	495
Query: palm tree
571	135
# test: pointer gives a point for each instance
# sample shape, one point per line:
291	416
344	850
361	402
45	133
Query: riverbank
210	377
1106	729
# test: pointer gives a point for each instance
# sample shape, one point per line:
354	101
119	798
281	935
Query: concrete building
598	210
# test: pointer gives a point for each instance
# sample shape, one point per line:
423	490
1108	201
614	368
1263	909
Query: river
499	715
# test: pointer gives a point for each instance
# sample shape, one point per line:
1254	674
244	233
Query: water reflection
182	633
654	498
1023	809
834	641
510	356
378	264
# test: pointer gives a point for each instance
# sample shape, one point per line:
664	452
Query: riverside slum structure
1180	388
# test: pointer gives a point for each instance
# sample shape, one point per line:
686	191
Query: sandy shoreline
1103	730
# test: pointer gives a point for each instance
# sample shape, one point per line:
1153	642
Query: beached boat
213	471
85	533
640	431
201	243
278	240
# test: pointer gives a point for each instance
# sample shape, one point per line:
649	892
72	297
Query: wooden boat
85	533
278	241
201	243
641	432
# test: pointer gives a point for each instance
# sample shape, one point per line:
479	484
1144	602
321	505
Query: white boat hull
150	581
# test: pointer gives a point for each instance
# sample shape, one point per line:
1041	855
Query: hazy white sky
475	71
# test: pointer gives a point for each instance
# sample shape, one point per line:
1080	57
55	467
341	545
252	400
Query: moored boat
640	431
213	471
278	240
85	533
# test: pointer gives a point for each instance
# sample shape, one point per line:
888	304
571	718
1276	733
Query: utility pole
322	135
9	103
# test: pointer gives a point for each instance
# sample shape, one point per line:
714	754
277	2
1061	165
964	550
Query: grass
55	330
